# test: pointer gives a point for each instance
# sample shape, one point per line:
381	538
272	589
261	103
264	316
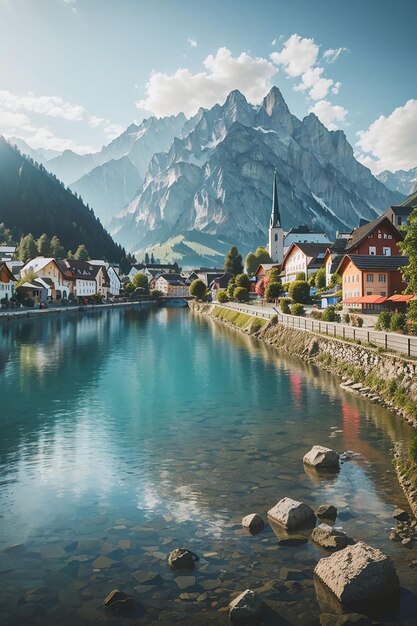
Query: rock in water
253	522
247	608
358	575
401	516
117	600
327	511
182	559
329	538
322	458
292	514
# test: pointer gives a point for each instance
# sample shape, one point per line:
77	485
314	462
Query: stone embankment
383	378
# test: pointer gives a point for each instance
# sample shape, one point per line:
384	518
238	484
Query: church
280	241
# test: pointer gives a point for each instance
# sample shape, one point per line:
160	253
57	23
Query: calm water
125	434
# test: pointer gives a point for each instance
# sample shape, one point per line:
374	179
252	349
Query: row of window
386	251
4	287
380	236
382	278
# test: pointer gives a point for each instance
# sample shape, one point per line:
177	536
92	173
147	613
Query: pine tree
152	258
27	249
44	245
233	262
57	251
146	258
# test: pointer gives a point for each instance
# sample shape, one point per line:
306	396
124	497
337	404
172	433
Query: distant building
153	270
303	234
378	237
220	282
50	276
172	285
304	258
275	232
7	253
7	281
113	275
334	255
84	279
206	274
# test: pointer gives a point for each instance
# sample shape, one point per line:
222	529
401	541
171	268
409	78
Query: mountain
404	181
33	201
138	143
216	180
41	155
109	186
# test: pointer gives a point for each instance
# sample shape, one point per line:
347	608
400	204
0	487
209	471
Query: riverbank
386	379
8	315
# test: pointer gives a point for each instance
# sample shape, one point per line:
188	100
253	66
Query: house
379	237
220	282
304	258
206	274
48	271
334	255
84	279
7	281
303	234
399	215
113	276
172	285
7	253
264	268
34	289
152	270
368	280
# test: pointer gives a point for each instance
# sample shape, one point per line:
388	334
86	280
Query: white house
304	258
6	283
303	234
7	253
85	278
47	268
152	270
113	275
172	285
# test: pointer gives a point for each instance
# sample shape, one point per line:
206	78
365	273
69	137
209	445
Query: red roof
374	299
351	300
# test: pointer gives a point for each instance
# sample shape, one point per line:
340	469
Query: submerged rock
292	514
247	608
327	511
117	600
329	538
322	458
253	522
182	559
358	575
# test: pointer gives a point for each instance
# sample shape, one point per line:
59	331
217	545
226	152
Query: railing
393	342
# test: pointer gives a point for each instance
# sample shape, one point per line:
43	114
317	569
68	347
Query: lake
127	433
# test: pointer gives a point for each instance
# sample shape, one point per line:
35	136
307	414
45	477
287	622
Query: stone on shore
358	575
181	559
347	619
117	600
322	458
292	514
247	608
327	511
253	522
401	516
329	538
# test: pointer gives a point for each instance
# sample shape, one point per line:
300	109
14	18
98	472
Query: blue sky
73	73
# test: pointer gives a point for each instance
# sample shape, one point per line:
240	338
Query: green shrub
242	280
221	296
300	276
299	291
274	320
273	291
231	288
284	305
384	320
329	314
155	293
198	289
316	314
398	321
241	294
297	309
346	318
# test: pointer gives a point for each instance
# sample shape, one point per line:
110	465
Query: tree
146	258
321	278
44	245
129	288
261	286
262	255
221	296
242	280
140	280
198	289
274	274
6	237
251	263
408	247
300	276
335	279
82	253
57	251
273	291
299	291
241	294
27	249
231	288
152	258
233	262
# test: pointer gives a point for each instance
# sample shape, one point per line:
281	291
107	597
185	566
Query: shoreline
337	357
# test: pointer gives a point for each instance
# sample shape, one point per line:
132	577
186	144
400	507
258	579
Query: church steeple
275	216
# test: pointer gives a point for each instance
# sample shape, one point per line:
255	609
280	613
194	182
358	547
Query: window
382	278
383	293
276	237
369	293
386	251
372	249
399	221
370	278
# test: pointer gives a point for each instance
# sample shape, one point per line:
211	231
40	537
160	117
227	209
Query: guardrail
403	344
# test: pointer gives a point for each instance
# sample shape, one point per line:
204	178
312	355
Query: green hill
34	201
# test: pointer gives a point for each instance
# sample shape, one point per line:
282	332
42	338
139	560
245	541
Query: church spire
275	216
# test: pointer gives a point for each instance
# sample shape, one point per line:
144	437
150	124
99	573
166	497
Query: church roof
275	216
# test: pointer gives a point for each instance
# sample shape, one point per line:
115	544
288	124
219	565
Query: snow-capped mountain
216	179
404	181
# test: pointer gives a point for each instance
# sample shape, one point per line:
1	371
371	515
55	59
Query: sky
75	73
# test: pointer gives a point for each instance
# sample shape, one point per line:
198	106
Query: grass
240	320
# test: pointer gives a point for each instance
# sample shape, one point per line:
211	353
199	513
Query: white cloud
44	138
168	94
112	130
313	81
329	113
274	42
336	88
298	55
332	54
53	106
95	122
390	141
13	120
192	42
